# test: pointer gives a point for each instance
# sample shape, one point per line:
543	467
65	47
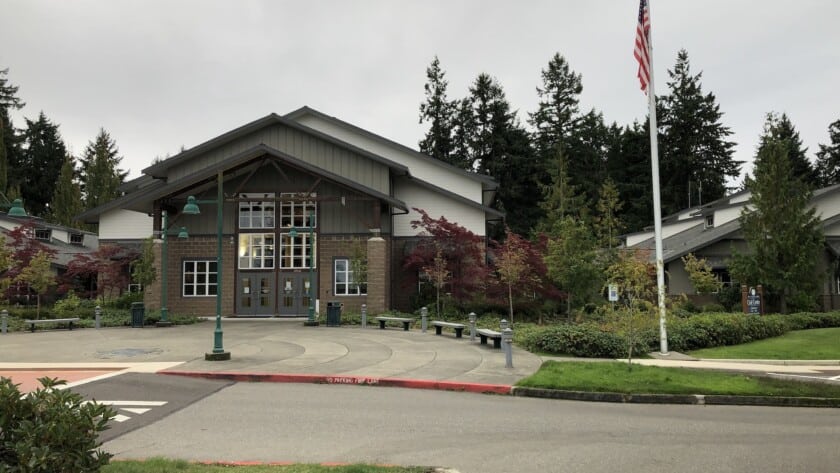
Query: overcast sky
161	74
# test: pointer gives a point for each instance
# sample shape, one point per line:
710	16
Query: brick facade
200	247
331	247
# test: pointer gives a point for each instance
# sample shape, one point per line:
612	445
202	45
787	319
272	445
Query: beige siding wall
300	145
436	205
124	225
419	167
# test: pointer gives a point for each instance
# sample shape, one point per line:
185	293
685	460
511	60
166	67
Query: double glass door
267	294
294	293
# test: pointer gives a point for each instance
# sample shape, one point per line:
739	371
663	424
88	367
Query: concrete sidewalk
273	346
278	349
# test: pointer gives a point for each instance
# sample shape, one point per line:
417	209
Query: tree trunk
510	300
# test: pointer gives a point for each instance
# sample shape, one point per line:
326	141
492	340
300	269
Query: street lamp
310	322
218	353
164	232
16	209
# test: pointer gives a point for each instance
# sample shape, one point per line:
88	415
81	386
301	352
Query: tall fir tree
9	139
782	231
42	157
562	198
694	146
828	158
554	119
101	175
439	111
489	135
607	222
66	201
587	148
779	129
628	165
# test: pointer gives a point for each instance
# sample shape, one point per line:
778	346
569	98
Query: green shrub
50	430
125	300
584	340
713	308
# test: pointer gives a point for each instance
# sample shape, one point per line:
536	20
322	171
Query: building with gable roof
284	177
711	231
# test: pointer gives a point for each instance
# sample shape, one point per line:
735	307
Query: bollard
503	325
424	318
4	325
472	326
507	346
98	313
364	315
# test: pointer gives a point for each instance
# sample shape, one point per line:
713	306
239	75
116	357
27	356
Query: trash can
334	314
137	314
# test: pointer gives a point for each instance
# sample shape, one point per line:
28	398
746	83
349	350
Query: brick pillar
376	270
151	293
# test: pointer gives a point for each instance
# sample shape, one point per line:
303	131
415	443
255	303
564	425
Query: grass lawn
814	344
159	465
614	377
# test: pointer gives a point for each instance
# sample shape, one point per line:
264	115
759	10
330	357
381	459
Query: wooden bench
485	333
405	321
69	321
440	324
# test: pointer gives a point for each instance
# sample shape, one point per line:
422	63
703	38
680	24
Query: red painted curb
332	379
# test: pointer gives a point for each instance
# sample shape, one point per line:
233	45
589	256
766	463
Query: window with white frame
345	284
43	234
295	252
296	214
76	239
256	214
200	278
256	250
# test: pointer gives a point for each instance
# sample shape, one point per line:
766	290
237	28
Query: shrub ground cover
814	344
613	376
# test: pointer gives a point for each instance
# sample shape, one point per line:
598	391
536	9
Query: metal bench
405	321
440	324
485	333
69	321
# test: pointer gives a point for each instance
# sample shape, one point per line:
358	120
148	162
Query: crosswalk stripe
120	418
135	410
133	403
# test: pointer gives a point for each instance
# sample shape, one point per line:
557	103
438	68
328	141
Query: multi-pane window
76	238
200	278
256	250
43	234
345	284
295	252
295	213
256	214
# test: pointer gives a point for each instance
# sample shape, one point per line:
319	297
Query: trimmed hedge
684	334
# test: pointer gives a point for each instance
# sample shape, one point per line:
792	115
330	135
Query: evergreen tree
828	157
9	140
42	157
587	148
489	135
439	111
101	175
562	198
66	202
628	165
608	224
782	231
554	120
779	129
695	153
572	263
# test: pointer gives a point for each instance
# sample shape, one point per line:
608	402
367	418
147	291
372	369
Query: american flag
642	51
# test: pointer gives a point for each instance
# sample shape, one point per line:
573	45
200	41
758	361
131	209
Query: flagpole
657	210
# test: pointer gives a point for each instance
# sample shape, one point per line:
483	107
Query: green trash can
138	312
334	314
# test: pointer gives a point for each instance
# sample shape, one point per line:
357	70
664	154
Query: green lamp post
310	322
16	209
218	353
164	288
